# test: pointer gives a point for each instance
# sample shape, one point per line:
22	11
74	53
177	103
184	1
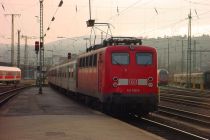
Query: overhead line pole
12	38
41	48
189	52
18	50
26	52
168	57
90	9
26	57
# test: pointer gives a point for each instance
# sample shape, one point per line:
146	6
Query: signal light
36	46
69	55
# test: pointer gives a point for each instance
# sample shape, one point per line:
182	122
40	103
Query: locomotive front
130	77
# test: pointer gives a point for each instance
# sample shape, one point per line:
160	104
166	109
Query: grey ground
52	116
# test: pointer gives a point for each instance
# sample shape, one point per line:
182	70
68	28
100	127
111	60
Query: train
199	80
10	75
163	77
120	74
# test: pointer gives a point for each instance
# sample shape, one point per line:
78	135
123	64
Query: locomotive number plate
133	90
133	82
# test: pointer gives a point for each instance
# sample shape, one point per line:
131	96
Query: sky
139	18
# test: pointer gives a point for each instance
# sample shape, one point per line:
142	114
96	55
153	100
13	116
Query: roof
4	68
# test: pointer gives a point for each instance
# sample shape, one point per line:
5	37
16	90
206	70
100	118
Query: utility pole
165	57
189	52
182	65
26	57
101	37
26	60
12	38
41	49
168	56
194	56
18	50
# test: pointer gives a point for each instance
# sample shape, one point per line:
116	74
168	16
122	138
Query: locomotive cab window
120	58
144	58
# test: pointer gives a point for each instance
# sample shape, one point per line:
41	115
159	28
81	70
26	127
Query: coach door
100	71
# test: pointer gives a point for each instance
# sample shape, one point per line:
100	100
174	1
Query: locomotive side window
144	58
120	58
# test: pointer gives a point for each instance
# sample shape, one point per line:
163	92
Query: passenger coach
10	75
163	77
121	74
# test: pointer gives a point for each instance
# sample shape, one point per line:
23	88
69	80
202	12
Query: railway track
162	129
195	98
184	90
171	132
166	124
185	109
6	95
191	117
4	88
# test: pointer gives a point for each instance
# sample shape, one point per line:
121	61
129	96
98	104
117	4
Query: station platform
53	116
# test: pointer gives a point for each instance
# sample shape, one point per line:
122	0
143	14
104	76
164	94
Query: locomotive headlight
115	79
150	84
150	79
115	84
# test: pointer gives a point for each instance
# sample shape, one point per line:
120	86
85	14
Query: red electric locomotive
121	74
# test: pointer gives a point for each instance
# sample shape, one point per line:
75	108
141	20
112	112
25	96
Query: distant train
198	80
10	75
163	77
120	74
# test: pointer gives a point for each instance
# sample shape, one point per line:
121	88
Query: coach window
144	58
208	77
86	61
95	60
90	60
120	58
80	62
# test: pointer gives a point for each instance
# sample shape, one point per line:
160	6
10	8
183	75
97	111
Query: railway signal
69	56
37	46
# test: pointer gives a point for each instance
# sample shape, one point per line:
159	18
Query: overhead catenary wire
127	8
197	3
53	17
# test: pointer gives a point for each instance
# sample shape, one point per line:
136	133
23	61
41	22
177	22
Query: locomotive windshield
120	58
144	58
